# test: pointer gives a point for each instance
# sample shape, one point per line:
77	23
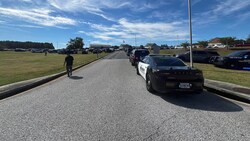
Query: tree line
25	45
229	41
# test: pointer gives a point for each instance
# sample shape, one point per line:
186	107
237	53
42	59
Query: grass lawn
19	66
238	77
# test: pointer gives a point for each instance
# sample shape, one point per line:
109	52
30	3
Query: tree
228	40
76	43
203	43
239	42
248	39
185	44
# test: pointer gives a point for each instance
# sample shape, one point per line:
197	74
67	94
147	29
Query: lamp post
190	30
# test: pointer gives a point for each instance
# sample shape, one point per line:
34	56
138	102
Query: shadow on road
205	101
76	77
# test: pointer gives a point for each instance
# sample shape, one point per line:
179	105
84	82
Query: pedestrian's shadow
76	77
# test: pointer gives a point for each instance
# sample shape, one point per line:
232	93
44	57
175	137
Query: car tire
149	84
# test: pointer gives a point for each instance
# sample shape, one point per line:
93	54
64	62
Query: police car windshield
167	61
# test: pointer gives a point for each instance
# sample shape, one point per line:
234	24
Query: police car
169	74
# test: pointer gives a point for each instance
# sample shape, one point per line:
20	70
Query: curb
18	87
226	93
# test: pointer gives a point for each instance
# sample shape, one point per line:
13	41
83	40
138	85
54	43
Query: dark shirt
69	60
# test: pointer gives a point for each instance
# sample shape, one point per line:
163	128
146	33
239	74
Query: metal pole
135	40
190	30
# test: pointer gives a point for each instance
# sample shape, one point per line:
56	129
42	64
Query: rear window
167	61
141	53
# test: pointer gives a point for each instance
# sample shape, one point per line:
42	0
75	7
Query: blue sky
115	21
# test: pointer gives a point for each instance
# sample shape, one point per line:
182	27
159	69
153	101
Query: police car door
144	66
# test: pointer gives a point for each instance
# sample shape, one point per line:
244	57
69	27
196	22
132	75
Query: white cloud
2	21
37	16
194	2
230	6
142	30
25	0
221	9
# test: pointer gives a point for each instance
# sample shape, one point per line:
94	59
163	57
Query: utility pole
135	40
177	40
190	30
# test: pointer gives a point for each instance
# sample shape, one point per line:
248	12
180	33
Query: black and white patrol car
169	74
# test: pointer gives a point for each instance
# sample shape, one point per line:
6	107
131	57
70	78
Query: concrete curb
18	87
225	90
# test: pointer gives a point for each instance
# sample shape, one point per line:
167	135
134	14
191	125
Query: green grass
238	77
19	66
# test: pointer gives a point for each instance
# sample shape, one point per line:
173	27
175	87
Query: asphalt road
106	100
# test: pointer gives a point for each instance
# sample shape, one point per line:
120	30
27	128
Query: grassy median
239	77
19	66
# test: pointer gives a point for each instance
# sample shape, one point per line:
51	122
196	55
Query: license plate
185	85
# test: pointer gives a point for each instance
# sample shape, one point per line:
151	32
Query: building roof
215	40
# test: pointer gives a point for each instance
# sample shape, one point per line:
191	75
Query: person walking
69	62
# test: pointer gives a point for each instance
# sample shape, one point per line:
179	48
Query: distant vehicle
120	48
169	74
37	50
95	51
20	50
235	60
178	47
52	50
65	51
201	56
136	55
129	51
108	50
84	51
72	51
218	45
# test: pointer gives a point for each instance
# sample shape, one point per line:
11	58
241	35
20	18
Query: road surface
106	100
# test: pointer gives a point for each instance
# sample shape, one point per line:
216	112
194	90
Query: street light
190	30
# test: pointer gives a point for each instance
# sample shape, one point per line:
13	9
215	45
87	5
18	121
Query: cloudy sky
117	21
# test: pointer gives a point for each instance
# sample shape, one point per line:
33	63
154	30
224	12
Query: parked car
108	50
129	50
178	47
65	51
20	50
235	60
201	56
169	74
136	55
37	50
52	50
95	51
84	51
